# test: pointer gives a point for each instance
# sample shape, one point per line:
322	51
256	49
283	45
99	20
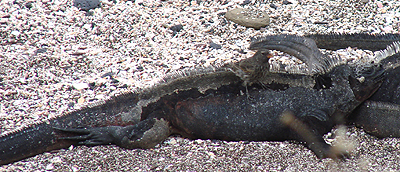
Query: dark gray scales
335	41
380	114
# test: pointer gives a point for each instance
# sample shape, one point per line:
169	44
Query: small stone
56	160
379	4
100	97
75	168
285	2
29	5
245	2
15	33
211	154
40	50
198	141
81	100
80	86
249	18
215	46
176	29
172	141
273	6
50	167
86	4
3	20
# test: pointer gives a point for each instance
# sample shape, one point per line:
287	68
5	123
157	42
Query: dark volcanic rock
86	4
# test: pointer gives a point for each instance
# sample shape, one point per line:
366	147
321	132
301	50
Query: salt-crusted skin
380	114
214	103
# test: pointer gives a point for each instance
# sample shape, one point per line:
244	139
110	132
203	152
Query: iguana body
219	103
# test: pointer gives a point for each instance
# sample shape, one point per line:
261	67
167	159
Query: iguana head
366	80
369	75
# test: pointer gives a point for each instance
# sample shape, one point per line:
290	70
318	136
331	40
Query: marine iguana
214	103
378	115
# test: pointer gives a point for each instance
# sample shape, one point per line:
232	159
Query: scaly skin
123	110
373	42
211	104
380	114
43	137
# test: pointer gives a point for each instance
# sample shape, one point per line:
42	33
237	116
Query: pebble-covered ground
55	58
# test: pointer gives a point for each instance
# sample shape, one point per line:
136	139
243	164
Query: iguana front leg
146	134
311	139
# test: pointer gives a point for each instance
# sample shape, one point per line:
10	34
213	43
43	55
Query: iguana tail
44	136
123	111
300	47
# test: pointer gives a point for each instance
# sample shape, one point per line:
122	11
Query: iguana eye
371	71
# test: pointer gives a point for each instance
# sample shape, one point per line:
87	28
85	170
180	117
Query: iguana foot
92	136
145	134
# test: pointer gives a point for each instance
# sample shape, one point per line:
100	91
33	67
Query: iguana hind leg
145	134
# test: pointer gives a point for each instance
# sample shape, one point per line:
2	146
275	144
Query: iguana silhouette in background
239	101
